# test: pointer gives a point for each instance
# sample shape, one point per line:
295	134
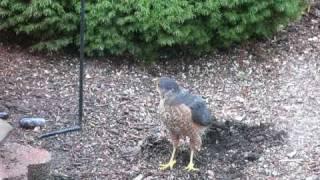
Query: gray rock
275	173
292	154
139	177
210	173
4	115
261	159
240	118
5	128
32	122
313	177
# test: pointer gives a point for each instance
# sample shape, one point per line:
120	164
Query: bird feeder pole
78	127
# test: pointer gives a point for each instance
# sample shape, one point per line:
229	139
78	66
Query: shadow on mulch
227	150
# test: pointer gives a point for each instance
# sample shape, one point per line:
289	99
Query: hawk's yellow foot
190	166
171	163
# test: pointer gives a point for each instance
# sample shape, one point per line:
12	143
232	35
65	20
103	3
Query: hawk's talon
191	167
170	165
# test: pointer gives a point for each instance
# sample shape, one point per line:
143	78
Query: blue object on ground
4	115
32	122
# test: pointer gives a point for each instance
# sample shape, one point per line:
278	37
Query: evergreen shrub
143	27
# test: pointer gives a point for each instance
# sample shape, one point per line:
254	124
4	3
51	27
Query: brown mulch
267	93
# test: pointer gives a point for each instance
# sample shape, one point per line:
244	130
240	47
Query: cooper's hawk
184	115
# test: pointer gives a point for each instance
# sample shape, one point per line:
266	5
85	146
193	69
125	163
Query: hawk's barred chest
177	118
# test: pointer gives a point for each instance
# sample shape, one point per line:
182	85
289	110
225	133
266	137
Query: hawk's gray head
167	86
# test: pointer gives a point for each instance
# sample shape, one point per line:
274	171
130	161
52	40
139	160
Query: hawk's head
167	86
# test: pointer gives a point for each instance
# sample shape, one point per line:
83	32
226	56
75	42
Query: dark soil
267	94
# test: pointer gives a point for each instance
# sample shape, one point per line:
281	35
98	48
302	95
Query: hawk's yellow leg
171	163
190	166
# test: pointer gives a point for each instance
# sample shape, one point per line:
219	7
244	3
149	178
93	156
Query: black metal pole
81	77
81	71
62	131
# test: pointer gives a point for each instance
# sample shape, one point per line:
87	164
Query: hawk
184	115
